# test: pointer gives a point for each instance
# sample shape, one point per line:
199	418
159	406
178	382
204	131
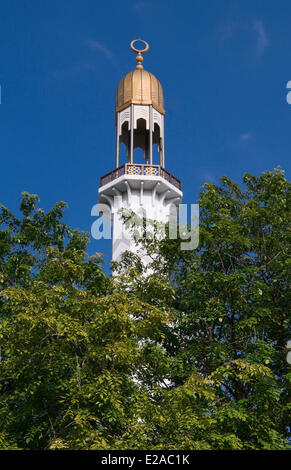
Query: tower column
131	133
151	135
163	141
117	141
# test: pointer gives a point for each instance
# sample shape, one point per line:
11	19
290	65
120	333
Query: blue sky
223	64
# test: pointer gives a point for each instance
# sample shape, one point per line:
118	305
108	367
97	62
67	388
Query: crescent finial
139	57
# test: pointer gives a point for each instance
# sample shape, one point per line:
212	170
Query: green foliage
190	357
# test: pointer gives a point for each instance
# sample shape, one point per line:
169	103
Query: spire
139	57
140	180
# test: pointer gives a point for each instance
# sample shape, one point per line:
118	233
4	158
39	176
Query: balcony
140	170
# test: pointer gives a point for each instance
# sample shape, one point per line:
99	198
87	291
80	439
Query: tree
231	315
69	337
190	357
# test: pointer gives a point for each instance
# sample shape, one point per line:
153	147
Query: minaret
145	187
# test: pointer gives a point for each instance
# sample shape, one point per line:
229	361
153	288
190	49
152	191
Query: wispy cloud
74	70
229	28
104	50
245	137
140	6
262	39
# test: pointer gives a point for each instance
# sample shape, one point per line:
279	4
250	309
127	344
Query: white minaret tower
145	187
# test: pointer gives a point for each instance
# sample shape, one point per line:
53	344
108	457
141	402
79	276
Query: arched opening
141	142
141	152
156	144
124	144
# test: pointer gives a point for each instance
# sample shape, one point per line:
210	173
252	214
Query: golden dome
139	86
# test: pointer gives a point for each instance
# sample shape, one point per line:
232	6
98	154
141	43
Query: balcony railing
140	170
